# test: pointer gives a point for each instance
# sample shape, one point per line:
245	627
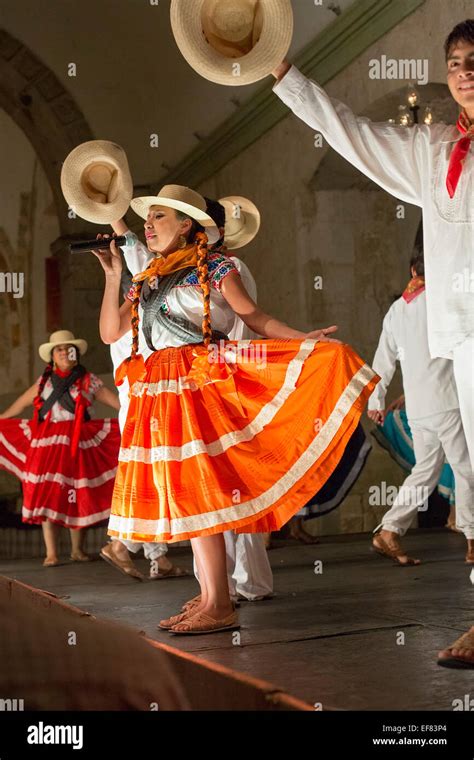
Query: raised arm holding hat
431	166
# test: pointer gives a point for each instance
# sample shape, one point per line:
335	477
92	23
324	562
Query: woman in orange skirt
220	434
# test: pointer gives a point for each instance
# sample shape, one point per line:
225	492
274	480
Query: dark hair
216	211
463	31
195	226
417	261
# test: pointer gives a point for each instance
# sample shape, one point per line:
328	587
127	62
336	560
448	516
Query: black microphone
85	246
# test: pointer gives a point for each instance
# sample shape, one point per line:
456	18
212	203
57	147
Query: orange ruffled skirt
245	453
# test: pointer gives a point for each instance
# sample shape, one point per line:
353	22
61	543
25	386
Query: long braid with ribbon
135	320
203	277
38	401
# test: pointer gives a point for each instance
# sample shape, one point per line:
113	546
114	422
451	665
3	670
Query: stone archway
44	110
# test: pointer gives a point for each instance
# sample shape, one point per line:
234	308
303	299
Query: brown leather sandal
201	622
168	623
125	566
447	659
395	553
194	602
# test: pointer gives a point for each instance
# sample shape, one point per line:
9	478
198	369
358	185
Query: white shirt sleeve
384	363
390	155
136	257
240	331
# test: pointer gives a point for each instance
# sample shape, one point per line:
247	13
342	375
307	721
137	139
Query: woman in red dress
65	460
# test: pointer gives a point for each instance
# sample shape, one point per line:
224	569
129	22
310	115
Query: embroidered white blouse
185	299
411	164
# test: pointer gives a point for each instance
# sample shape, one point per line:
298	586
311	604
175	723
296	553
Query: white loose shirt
428	384
411	163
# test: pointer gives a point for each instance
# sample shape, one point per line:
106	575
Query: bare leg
211	561
470	551
77	542
50	533
202	574
212	564
120	550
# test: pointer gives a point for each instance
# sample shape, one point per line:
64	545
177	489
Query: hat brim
141	206
73	167
252	221
46	348
269	51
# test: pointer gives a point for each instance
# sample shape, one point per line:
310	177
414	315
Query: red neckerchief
414	288
60	372
459	152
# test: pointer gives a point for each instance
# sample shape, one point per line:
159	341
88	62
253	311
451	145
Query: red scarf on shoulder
459	152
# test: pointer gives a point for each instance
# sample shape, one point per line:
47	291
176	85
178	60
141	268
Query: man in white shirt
429	166
433	414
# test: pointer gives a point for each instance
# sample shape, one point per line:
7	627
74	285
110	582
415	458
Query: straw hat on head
214	35
182	199
96	181
242	221
59	338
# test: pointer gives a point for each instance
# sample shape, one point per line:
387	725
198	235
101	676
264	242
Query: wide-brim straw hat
96	181
183	199
242	221
216	35
59	338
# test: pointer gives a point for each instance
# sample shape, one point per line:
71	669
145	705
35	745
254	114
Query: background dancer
433	414
65	460
395	436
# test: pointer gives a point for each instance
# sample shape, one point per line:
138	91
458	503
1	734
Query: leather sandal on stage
51	562
172	572
125	566
80	557
298	532
393	551
463	647
201	622
168	623
194	602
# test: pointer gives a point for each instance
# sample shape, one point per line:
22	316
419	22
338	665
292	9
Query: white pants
248	570
463	366
433	438
151	549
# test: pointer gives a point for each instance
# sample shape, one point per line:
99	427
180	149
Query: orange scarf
203	369
161	265
459	152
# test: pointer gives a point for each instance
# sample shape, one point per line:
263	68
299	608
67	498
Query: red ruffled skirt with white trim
75	492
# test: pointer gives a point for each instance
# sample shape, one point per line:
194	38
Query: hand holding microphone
110	258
